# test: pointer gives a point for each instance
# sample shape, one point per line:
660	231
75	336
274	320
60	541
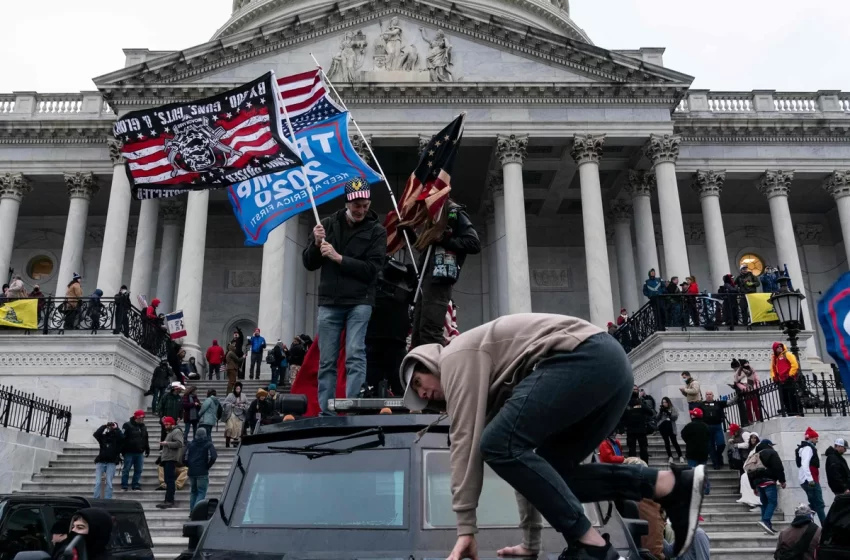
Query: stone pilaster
709	185
171	213
838	185
511	151
13	187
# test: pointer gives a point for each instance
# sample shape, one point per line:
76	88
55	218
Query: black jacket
695	435
160	376
837	472
200	454
713	412
460	236
363	248
110	445
773	471
135	438
634	419
264	408
296	354
279	355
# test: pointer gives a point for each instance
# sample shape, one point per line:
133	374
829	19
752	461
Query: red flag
428	187
307	380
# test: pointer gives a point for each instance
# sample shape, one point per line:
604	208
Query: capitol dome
549	15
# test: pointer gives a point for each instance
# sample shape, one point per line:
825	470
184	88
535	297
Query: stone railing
31	105
827	103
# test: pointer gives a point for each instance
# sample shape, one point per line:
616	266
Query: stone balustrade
32	105
764	101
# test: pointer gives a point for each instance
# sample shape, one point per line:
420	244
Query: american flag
428	187
306	99
450	330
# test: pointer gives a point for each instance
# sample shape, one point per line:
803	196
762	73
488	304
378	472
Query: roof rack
371	405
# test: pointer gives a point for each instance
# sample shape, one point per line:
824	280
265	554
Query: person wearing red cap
612	328
624	316
134	445
172	454
697	436
808	472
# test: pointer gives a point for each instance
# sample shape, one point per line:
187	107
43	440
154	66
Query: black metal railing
31	414
676	311
60	315
803	395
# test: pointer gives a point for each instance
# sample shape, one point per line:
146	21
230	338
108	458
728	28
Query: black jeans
639	439
670	439
555	419
256	360
169	474
215	369
788	394
429	315
383	360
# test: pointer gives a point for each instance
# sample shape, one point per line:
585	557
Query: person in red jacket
215	357
150	310
610	450
691	289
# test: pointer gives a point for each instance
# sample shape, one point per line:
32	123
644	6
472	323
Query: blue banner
263	203
834	318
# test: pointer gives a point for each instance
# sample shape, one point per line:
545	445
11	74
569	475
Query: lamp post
788	305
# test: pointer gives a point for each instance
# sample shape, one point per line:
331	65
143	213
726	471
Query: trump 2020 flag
174	322
264	203
834	319
208	143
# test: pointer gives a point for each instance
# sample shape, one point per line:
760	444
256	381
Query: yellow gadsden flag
761	310
19	313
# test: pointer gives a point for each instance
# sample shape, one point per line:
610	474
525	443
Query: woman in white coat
746	449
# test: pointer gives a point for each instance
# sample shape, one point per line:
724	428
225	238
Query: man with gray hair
802	538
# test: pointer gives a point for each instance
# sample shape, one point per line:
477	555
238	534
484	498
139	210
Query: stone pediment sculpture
439	58
346	64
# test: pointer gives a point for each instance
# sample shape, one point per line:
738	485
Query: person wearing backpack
765	471
799	541
808	472
211	412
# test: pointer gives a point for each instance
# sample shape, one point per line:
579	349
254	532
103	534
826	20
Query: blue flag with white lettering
834	319
263	203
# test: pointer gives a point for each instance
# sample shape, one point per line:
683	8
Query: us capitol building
582	168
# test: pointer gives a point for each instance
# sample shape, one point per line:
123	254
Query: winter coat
747	283
650	400
171	405
693	392
672	288
769	283
201	454
235	405
746	382
160	376
695	435
634	419
784	366
667	416
693	289
258	343
99	536
110	445
122	301
653	287
728	286
363	248
215	354
95	307
16	289
278	356
265	409
296	354
837	472
208	415
713	412
233	360
190	401
773	470
792	535
459	237
73	295
135	438
173	448
610	451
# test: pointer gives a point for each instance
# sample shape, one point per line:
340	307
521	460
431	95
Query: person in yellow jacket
783	371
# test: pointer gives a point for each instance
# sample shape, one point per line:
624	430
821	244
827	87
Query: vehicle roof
343	425
109	505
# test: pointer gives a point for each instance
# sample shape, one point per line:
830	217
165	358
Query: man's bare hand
782	484
517	551
465	547
319	234
329	252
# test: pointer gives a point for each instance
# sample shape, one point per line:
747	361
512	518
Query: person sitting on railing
746	281
122	312
730	301
73	296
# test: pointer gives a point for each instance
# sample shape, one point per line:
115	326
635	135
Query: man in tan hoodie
533	395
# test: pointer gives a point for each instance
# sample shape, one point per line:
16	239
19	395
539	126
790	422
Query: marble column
499	243
587	151
172	213
640	186
81	188
291	260
190	288
512	151
13	187
776	185
111	273
492	260
709	184
142	275
489	297
663	151
809	236
304	229
621	214
838	185
271	284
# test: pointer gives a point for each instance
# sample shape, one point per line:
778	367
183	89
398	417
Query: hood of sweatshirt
429	356
778	345
100	530
201	435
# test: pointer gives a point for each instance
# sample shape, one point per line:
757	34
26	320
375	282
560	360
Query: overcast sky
787	45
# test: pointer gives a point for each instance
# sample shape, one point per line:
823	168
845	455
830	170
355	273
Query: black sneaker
683	504
124	488
137	489
579	551
768	527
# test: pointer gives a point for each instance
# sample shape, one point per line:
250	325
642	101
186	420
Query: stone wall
102	377
22	455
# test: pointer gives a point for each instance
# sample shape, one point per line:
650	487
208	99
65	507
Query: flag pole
295	146
371	153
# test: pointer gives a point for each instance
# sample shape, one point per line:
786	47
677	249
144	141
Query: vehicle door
23	530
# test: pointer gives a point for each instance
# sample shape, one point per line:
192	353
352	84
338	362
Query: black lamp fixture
788	305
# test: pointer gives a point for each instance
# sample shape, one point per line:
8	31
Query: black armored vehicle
360	487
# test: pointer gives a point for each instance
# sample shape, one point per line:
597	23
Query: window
497	505
40	267
753	262
363	489
23	531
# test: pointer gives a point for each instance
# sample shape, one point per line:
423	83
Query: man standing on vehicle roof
525	394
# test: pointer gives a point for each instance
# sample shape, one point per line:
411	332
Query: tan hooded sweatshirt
478	371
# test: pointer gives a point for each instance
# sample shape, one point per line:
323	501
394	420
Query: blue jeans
109	469
198	490
137	461
716	444
333	319
768	502
815	496
553	420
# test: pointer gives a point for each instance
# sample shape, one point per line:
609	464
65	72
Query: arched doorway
247	324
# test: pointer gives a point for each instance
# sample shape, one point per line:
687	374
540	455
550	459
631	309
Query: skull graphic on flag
197	147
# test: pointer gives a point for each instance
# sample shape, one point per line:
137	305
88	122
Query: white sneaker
681	460
755	509
670	460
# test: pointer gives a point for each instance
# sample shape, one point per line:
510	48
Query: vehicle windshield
363	489
497	506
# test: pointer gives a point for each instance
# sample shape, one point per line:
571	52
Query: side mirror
204	510
32	555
